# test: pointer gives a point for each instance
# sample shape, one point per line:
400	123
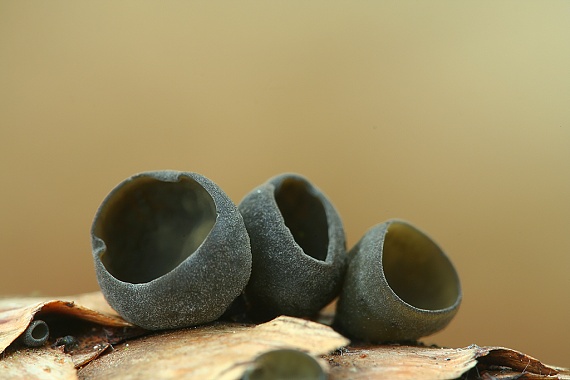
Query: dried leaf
33	363
415	362
87	317
401	362
501	362
218	351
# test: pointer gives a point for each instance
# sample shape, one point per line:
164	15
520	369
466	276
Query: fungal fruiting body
284	364
298	248
399	286
170	250
36	334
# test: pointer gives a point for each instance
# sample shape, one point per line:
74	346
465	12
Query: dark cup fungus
170	250
399	286
298	248
36	334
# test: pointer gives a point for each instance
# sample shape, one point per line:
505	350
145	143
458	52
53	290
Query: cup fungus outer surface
170	250
298	248
36	334
399	286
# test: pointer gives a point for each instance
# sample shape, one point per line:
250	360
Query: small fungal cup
285	364
298	248
36	334
399	286
170	250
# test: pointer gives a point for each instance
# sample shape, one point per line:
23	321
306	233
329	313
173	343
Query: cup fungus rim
171	176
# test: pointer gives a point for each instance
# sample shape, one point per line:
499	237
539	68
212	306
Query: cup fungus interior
150	226
417	270
305	216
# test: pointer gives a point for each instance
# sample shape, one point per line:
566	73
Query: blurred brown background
454	116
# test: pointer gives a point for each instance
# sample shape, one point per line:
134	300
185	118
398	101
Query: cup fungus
285	364
298	248
399	286
170	250
36	334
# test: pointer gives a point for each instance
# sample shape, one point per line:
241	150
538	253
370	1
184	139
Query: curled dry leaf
87	317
